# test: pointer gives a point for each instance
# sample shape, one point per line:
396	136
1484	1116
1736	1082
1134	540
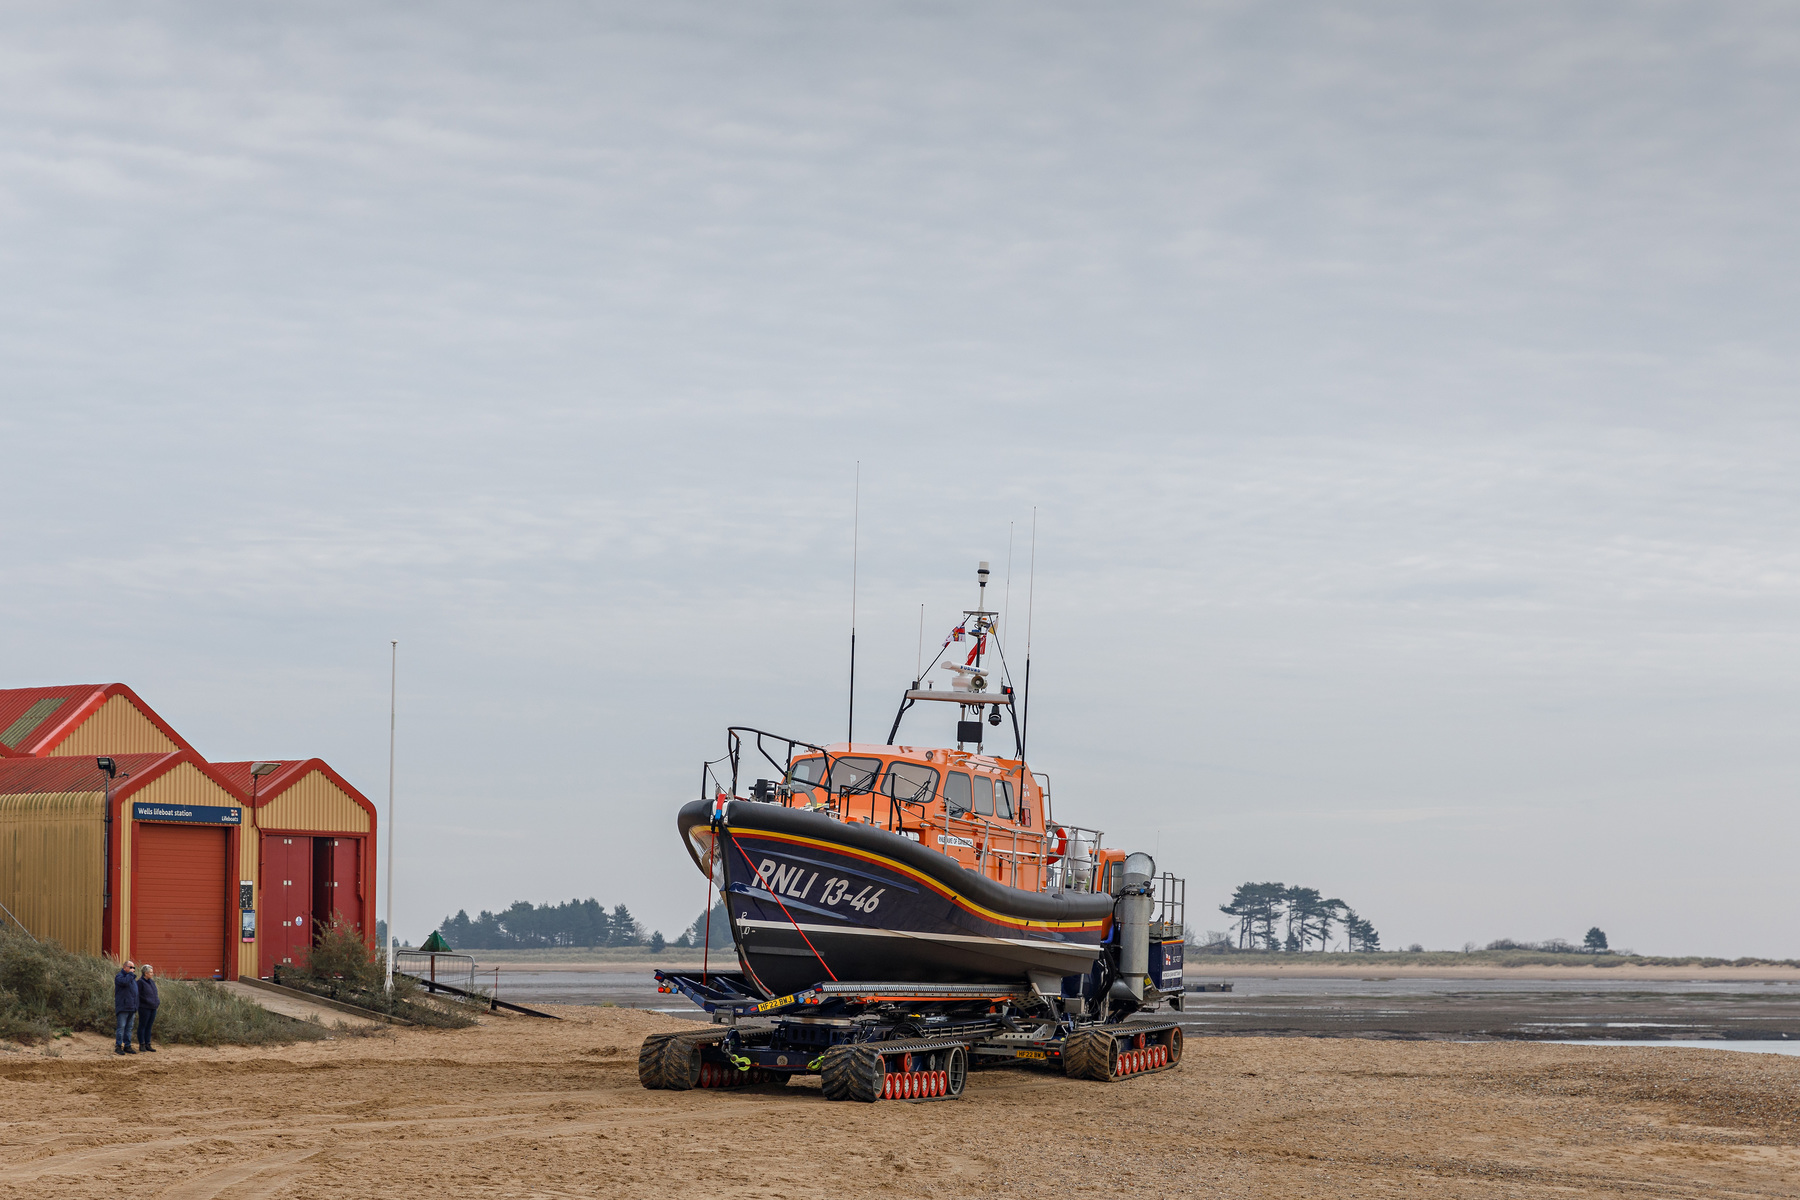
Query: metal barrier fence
457	970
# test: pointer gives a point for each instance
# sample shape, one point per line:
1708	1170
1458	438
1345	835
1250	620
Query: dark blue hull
812	899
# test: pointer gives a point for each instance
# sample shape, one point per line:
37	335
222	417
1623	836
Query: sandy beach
523	1107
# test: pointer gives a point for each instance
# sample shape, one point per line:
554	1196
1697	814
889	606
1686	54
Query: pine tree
720	928
1595	941
656	942
625	929
1360	933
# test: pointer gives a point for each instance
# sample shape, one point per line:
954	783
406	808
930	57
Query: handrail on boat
994	839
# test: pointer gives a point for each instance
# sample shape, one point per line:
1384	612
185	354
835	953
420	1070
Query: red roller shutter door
178	898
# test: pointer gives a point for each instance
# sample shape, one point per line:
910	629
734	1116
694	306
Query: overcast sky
1405	392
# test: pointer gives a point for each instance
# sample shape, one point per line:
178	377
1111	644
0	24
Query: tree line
1274	916
583	924
528	926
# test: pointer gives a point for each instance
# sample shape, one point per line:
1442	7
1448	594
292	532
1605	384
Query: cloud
1405	397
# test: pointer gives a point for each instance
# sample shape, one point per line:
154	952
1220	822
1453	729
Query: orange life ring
1062	845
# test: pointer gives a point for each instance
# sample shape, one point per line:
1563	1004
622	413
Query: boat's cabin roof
961	783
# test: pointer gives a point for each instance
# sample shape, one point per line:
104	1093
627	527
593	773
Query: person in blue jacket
148	1003
125	1006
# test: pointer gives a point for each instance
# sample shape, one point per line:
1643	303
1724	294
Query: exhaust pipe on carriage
1132	919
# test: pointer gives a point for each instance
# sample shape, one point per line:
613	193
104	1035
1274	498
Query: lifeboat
856	862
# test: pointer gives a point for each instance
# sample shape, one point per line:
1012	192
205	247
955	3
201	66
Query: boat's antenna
855	537
919	658
1030	608
1006	605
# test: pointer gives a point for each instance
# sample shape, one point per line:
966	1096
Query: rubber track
1087	1055
1087	1052
677	1061
676	1057
650	1059
916	1045
853	1073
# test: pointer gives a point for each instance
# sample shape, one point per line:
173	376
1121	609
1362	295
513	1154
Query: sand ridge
523	1107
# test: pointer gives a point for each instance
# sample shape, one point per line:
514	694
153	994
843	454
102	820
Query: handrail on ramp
492	1003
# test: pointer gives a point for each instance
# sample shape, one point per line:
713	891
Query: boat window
807	770
984	795
1005	807
910	781
956	793
854	774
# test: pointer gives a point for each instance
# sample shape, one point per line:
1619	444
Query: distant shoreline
1504	962
1205	969
1210	967
601	958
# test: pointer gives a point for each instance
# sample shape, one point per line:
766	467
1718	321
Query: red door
287	900
343	886
178	899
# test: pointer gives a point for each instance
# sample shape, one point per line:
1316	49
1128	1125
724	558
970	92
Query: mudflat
1198	968
523	1107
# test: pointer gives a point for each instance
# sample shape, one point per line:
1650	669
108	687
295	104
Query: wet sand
523	1107
1545	1004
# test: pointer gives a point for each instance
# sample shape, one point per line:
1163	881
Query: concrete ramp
295	1007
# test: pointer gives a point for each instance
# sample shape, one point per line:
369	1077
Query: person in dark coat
148	1002
125	1007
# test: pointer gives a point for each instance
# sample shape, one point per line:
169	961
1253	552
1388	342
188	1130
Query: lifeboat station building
118	838
315	855
82	719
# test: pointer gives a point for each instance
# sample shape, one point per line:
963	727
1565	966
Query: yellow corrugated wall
50	865
313	805
116	727
185	784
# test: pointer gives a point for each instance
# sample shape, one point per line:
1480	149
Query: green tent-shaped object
435	944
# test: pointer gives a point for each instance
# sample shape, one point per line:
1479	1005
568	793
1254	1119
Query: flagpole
1030	611
855	540
393	698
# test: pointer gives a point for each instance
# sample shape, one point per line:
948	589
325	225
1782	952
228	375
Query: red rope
706	939
786	913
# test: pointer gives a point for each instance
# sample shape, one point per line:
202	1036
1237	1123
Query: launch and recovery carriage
902	914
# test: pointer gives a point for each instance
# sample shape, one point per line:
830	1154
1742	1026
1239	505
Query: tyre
1091	1054
649	1060
678	1064
853	1073
1174	1044
956	1071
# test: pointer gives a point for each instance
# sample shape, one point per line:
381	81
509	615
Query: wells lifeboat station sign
192	814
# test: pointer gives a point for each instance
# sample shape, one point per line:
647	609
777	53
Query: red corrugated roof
33	719
27	776
237	774
25	711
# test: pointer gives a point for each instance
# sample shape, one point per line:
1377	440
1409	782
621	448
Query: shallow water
1691	1011
1790	1048
1601	983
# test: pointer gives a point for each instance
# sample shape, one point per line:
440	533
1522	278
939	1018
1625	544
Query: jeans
122	1034
146	1018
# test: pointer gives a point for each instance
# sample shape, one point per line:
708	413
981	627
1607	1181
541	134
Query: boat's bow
811	898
